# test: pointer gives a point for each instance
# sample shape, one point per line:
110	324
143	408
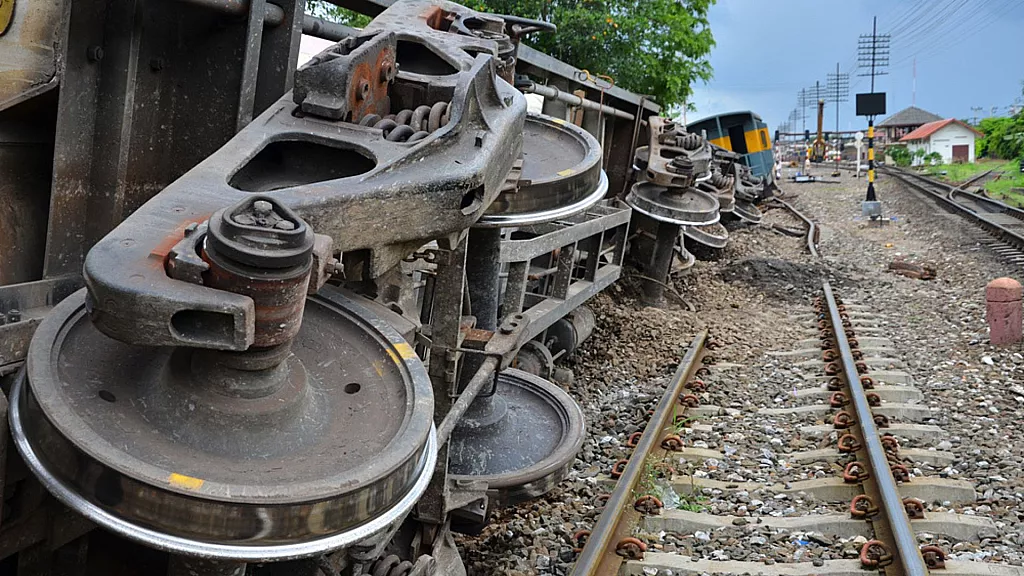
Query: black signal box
871	104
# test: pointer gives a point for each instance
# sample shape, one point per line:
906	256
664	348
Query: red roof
930	128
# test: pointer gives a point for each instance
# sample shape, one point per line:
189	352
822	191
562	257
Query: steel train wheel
523	446
748	212
685	207
138	440
561	176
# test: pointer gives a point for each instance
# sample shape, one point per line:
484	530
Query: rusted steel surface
611	540
26	158
29	40
895	536
812	229
137	109
345	180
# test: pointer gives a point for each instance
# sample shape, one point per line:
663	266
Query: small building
902	123
951	138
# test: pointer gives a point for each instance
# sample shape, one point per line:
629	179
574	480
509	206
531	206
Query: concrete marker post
1003	311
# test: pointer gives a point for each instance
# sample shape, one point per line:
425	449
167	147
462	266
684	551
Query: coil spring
394	566
410	125
390	566
721	181
690	141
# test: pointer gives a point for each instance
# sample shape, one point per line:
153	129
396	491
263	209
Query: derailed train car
260	320
744	133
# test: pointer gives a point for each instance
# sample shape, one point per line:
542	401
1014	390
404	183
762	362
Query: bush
1003	137
933	159
900	155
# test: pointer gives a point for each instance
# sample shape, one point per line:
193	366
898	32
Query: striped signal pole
871	159
873	53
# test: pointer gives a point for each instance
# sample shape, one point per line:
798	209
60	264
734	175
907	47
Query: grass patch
960	172
1001	188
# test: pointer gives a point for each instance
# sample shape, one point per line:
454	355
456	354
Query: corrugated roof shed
912	116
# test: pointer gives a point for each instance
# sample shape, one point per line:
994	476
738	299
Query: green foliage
934	158
960	172
1004	137
1008	185
654	47
327	11
900	155
918	153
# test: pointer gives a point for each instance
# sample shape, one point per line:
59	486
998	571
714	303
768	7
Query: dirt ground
747	296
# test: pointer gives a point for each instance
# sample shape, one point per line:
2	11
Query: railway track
811	230
872	498
1003	224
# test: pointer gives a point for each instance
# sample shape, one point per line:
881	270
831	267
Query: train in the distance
744	133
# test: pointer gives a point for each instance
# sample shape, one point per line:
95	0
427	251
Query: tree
654	47
322	9
994	129
1004	137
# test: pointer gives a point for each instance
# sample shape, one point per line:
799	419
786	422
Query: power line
915	13
922	42
873	53
929	25
977	21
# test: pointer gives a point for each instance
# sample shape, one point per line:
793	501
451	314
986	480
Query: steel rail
892	505
619	519
1012	237
812	228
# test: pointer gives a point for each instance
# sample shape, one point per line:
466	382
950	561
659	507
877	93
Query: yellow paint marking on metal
871	175
567	172
871	131
871	153
723	142
6	15
405	351
558	121
186	482
379	367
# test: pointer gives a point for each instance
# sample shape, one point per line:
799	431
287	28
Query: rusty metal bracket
347	181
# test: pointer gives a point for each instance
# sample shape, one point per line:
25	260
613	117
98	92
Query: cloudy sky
969	54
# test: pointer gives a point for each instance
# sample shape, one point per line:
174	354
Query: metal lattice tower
837	85
873	53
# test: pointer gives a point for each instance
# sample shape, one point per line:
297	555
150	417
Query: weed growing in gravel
655	470
680	424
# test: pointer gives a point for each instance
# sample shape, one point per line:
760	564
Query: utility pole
803	111
838	87
809	99
977	110
913	93
873	53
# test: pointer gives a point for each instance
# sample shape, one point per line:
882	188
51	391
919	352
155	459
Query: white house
951	138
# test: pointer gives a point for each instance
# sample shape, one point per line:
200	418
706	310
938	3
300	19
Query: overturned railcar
744	133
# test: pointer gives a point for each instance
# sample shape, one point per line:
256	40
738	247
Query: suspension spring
410	124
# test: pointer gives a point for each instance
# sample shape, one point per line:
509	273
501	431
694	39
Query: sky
969	53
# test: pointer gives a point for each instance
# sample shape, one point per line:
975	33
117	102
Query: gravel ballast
754	296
